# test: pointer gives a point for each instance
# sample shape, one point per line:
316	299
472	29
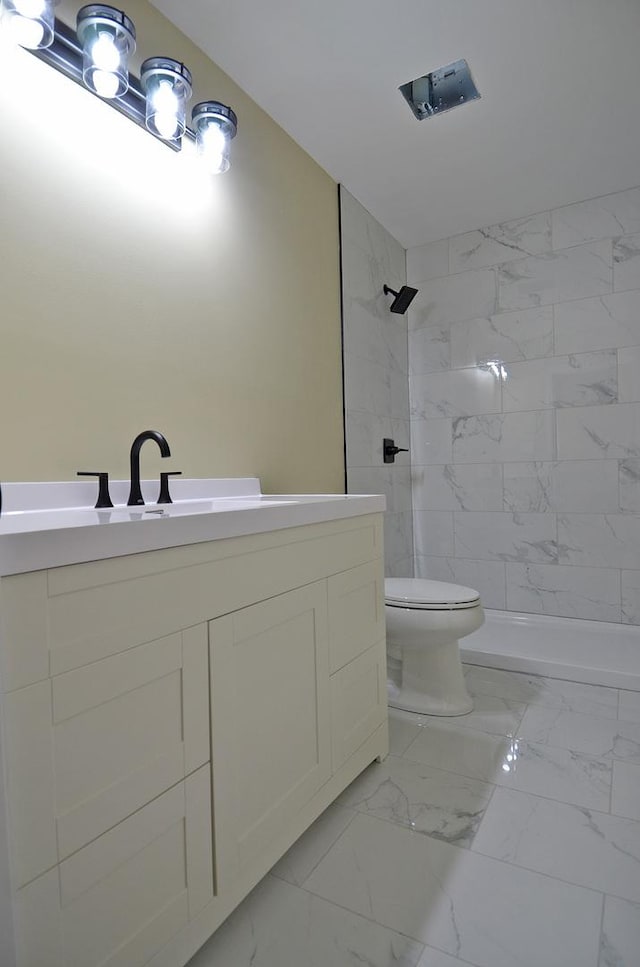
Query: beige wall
129	301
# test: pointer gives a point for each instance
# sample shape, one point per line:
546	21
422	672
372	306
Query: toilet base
431	681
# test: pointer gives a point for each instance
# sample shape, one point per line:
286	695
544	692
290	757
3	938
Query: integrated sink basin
53	524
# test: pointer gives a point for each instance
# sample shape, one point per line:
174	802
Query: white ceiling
559	118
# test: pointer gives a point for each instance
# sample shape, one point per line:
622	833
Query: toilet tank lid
424	591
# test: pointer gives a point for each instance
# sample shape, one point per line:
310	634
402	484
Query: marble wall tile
575	592
599	540
589	486
398	395
578	380
398	536
361	230
440	897
428	261
507	336
364	435
504	437
429	349
375	369
454	298
625	792
362	334
629	709
599	432
626	263
604	217
485	577
630	586
629	374
362	275
368	387
506	537
465	486
433	532
620	937
500	243
573	273
431	441
599	323
460	392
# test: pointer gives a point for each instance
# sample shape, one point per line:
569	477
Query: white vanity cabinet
172	721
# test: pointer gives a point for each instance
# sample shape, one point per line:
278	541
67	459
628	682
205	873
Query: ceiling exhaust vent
441	90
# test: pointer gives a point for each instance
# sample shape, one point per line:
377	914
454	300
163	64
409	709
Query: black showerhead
403	298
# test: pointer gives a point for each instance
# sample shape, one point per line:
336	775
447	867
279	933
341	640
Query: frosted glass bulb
26	32
105	83
213	145
29	8
165	106
104	53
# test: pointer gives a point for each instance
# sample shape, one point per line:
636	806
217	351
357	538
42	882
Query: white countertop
53	524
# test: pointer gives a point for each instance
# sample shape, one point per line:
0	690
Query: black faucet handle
104	498
164	496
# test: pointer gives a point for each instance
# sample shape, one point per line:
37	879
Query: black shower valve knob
390	450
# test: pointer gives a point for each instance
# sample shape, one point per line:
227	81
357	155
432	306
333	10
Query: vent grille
440	91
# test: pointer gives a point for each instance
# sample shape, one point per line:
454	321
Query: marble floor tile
489	913
589	734
629	706
540	769
535	690
620	941
298	862
574	844
492	714
431	801
403	729
279	925
625	790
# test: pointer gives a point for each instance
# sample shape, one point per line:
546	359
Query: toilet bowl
425	620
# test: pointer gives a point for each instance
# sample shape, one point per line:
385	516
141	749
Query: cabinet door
119	900
358	702
356	612
90	747
270	724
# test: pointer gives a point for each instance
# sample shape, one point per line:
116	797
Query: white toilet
425	619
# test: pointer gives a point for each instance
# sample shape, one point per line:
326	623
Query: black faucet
135	494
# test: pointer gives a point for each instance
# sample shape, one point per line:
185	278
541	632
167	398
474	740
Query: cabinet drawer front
115	735
116	902
270	720
358	702
356	612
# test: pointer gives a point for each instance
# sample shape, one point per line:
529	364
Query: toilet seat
421	594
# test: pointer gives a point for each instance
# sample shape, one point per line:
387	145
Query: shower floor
594	652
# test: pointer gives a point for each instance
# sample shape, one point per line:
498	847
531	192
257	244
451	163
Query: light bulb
105	54
26	32
106	84
165	106
29	8
213	148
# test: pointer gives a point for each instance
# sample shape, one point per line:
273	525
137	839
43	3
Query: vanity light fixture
216	126
108	38
30	22
167	85
97	57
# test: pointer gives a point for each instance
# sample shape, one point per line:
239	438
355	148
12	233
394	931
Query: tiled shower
524	386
